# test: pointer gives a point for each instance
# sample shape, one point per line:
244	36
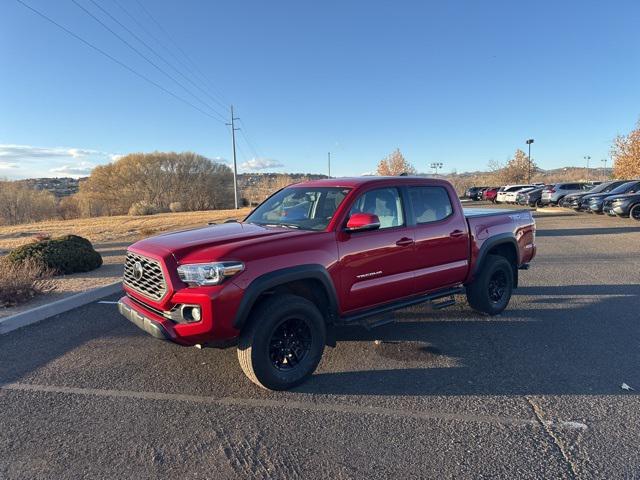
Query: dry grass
113	229
20	282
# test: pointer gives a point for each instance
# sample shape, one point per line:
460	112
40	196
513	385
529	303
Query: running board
382	315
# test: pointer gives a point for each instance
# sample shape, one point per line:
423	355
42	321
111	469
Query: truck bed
488	212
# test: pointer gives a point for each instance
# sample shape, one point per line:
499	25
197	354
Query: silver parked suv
552	194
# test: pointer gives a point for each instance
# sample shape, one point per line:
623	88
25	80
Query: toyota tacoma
319	255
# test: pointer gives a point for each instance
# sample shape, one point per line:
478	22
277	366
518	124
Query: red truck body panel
366	269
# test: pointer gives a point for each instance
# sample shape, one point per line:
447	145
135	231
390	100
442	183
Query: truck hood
182	243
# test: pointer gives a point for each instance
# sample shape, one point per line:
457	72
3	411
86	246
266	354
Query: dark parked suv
594	203
533	198
553	194
626	205
574	200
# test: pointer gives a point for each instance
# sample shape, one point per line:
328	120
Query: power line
112	58
245	136
123	40
246	139
177	46
150	34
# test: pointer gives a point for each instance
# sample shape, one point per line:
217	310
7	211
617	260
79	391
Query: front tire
491	290
282	343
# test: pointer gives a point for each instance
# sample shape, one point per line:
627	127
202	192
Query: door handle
404	242
456	233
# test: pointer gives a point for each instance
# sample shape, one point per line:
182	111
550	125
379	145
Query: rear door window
430	204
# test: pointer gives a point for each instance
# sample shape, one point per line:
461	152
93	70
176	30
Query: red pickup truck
318	255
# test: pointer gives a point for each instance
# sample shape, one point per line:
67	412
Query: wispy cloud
81	170
33	161
25	152
260	164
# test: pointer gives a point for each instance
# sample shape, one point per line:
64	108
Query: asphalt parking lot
533	393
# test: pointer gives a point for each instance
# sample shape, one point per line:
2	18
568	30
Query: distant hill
251	179
60	187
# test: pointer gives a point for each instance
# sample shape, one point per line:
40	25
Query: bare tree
395	164
158	179
518	169
625	152
21	204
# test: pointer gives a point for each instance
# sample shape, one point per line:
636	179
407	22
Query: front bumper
595	207
142	321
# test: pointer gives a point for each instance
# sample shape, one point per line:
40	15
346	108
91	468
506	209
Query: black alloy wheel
289	344
497	286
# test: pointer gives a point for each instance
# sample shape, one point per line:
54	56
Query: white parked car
502	193
510	197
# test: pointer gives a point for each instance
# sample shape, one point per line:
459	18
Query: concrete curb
557	211
37	314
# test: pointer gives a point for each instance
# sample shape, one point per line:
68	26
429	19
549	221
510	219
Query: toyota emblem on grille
138	271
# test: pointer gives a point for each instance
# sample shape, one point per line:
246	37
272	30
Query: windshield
624	188
299	207
604	187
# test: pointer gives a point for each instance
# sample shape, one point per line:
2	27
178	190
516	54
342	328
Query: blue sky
459	82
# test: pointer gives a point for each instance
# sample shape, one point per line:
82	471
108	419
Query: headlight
208	273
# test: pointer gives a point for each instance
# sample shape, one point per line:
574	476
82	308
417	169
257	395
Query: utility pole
329	162
587	158
604	170
235	165
529	142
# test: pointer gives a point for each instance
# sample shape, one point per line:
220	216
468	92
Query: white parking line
106	302
292	405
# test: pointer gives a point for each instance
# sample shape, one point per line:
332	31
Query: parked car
530	197
574	200
510	197
278	285
472	192
500	196
490	194
480	192
553	194
594	202
625	205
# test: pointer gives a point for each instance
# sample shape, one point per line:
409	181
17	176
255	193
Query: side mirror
360	222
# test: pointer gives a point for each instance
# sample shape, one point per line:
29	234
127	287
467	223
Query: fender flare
273	279
494	241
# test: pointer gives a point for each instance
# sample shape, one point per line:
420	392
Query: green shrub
63	255
142	208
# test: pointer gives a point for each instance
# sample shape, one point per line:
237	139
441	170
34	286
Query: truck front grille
144	275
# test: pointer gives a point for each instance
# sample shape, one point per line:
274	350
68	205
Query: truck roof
359	181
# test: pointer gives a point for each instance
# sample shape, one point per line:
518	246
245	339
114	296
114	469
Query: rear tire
634	213
282	343
491	290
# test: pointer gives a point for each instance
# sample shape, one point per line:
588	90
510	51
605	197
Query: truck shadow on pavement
571	232
585	340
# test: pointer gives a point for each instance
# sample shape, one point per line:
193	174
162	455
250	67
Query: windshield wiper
286	225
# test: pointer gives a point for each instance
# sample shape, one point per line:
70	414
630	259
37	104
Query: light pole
529	142
436	166
587	158
604	170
